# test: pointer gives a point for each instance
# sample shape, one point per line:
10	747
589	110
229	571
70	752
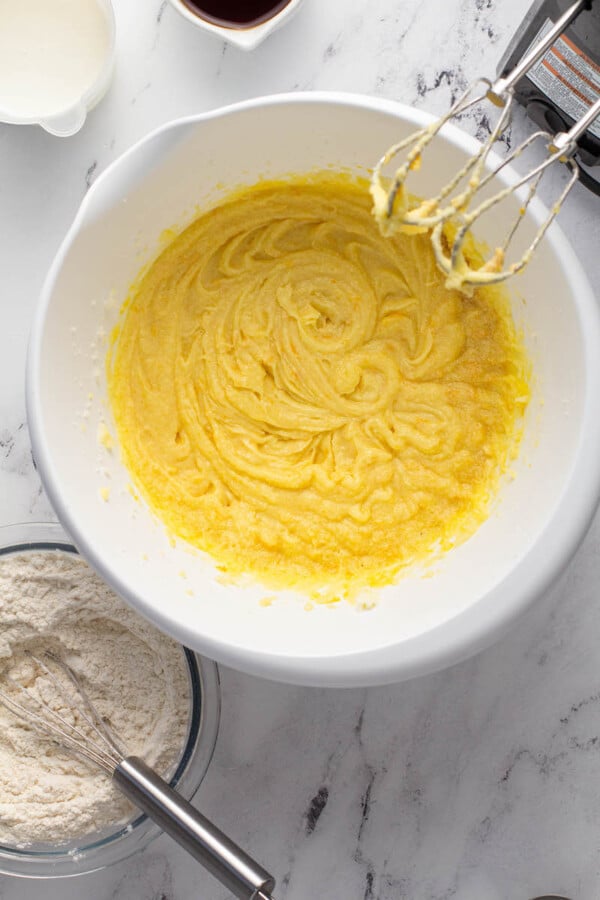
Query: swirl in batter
302	397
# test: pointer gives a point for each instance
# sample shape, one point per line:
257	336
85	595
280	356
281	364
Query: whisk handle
195	833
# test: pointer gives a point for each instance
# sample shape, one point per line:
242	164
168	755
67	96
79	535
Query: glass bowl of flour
58	815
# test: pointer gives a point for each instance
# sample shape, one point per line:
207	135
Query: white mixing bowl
420	624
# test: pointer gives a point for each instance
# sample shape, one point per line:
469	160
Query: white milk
51	53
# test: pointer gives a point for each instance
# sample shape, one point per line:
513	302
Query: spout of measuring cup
66	123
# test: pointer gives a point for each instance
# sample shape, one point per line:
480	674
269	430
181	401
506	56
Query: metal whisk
451	213
70	719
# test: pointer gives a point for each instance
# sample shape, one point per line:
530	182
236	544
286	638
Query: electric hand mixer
530	77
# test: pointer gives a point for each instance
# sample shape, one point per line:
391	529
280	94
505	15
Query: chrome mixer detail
560	87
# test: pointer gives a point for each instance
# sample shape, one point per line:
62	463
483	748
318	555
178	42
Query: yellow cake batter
302	397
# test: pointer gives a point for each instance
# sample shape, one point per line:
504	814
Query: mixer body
561	86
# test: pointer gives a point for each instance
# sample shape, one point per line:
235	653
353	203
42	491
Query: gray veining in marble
479	783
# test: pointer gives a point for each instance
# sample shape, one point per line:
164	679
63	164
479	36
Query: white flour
136	676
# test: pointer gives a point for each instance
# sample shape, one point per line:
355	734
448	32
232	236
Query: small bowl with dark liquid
245	23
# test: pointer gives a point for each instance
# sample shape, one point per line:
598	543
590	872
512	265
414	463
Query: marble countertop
478	783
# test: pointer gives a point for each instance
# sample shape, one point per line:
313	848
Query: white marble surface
480	783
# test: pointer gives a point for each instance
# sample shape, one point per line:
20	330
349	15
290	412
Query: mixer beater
450	213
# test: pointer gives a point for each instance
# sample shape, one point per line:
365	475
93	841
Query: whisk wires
87	735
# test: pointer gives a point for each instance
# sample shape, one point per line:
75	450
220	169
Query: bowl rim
472	629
